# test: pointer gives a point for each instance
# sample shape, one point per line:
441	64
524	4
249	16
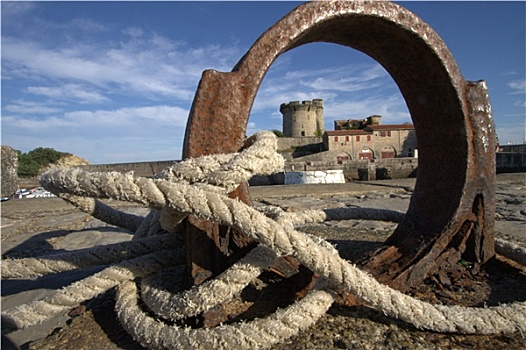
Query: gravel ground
44	225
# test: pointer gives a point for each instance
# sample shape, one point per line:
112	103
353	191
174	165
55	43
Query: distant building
351	124
372	142
351	139
303	119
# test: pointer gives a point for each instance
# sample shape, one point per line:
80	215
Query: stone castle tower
303	119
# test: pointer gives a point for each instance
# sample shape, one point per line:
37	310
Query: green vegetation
278	133
30	163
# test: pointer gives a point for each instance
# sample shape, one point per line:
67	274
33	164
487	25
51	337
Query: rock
9	175
67	161
513	201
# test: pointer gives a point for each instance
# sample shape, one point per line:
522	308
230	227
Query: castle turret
303	119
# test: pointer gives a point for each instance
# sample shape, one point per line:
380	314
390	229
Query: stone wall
292	147
393	168
396	168
353	170
144	169
511	162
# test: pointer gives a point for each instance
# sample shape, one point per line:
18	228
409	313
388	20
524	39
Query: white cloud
518	86
392	108
133	31
11	9
349	78
125	76
328	83
356	73
73	92
29	107
154	67
87	25
342	84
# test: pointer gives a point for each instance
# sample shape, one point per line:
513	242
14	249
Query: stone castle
352	139
303	119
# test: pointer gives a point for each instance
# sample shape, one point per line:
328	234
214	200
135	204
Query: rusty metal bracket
454	190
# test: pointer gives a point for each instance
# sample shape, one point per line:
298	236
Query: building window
335	138
358	138
368	137
303	133
347	138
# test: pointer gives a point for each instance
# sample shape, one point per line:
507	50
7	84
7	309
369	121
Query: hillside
69	160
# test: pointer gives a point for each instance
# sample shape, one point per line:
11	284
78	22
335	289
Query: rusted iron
451	213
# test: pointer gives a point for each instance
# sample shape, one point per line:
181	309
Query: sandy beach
34	227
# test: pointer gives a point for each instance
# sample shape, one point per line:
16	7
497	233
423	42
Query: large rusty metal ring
452	117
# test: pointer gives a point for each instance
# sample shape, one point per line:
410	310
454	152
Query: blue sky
114	81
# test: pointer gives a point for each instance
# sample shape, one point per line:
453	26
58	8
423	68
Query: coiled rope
200	187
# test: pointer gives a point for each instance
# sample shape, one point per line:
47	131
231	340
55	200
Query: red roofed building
371	140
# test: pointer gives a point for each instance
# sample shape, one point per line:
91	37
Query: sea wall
144	169
353	170
511	162
391	168
314	177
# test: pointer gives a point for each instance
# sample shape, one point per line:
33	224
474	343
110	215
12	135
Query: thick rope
34	312
294	219
173	196
100	255
104	212
510	251
212	206
150	226
207	295
256	334
228	171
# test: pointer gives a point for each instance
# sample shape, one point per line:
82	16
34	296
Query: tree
30	163
278	133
